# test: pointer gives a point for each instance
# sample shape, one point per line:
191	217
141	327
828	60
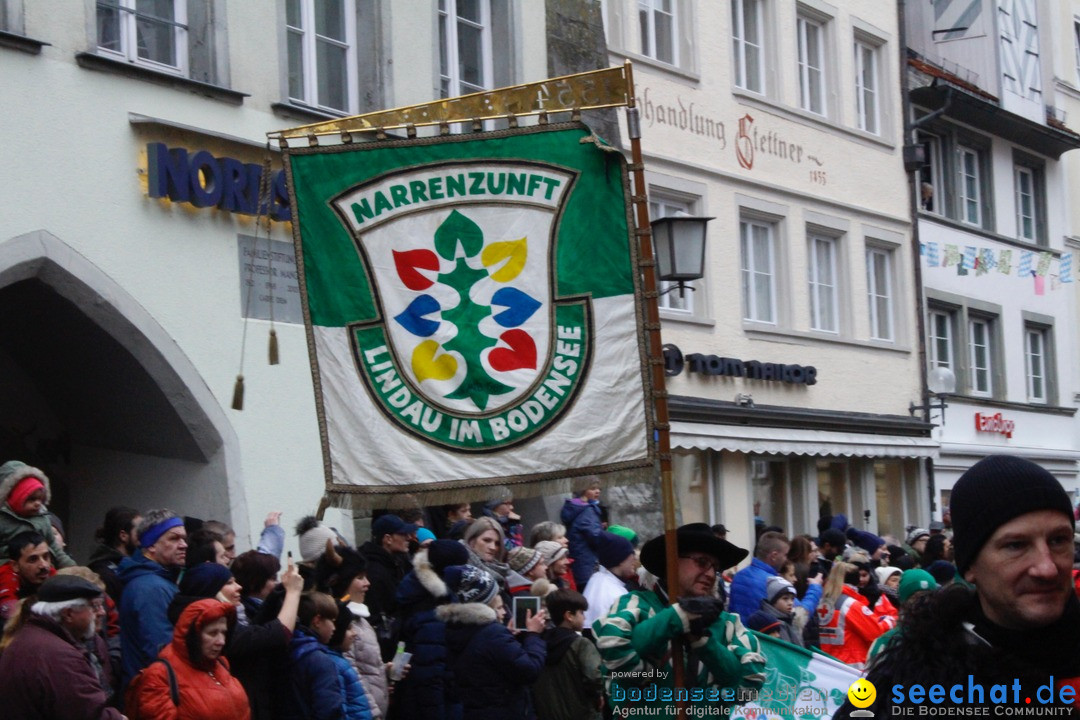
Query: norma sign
675	363
200	179
994	424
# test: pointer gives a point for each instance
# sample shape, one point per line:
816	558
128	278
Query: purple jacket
45	675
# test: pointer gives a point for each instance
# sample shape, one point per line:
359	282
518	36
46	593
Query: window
1035	350
963	335
153	33
866	87
671	299
1076	46
879	281
757	244
941	340
322	47
464	47
1025	203
657	21
747	29
955	179
970	190
823	286
1030	191
931	182
811	43
979	363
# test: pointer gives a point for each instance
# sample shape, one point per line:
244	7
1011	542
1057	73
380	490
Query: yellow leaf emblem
426	366
514	252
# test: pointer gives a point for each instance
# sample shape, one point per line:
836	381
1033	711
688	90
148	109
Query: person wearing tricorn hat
1019	628
635	638
44	673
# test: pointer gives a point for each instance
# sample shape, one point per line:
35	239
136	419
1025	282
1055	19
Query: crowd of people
440	615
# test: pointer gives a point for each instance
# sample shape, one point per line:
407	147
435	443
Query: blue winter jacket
583	528
748	590
425	693
492	668
354	699
144	605
315	687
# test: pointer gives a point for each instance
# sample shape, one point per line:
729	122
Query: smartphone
523	604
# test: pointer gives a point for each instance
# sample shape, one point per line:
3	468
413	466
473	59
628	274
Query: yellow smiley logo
862	693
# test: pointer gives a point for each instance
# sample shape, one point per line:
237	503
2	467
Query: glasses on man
703	562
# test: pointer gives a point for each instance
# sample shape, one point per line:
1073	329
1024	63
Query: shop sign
674	363
203	180
994	424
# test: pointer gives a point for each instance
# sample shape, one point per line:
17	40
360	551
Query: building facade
130	251
793	362
990	83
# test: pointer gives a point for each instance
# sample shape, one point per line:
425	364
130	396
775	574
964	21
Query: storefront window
690	473
832	482
769	482
890	491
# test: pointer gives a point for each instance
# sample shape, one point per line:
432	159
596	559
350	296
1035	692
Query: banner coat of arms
471	311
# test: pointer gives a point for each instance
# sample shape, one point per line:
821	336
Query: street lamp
942	383
680	249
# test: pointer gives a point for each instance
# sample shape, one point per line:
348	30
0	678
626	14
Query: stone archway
93	389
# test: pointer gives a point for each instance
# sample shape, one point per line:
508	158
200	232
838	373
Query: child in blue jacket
319	686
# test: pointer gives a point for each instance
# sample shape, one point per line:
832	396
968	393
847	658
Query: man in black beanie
1018	626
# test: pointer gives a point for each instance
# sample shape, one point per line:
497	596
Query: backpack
130	697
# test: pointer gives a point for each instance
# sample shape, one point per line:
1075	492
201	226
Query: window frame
450	82
1076	47
128	34
1043	326
976	371
963	152
661	206
1034	395
647	31
933	172
1020	173
804	68
873	293
740	43
817	285
1034	168
870	123
309	47
938	340
749	270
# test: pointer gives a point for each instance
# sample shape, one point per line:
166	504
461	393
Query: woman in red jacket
205	688
848	625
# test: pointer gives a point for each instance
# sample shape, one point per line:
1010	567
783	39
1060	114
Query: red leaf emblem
410	262
520	355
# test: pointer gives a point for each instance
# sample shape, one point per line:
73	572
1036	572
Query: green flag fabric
472	309
799	684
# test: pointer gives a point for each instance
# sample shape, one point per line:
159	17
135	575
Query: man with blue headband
149	578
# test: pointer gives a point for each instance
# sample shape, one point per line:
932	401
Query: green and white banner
799	684
471	309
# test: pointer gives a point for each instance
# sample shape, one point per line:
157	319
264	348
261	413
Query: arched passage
96	393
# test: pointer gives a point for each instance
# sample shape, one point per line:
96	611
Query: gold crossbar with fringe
590	90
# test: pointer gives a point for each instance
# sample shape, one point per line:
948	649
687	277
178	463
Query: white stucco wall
76	169
854	183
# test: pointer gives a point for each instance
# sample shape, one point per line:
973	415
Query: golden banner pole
656	366
592	90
